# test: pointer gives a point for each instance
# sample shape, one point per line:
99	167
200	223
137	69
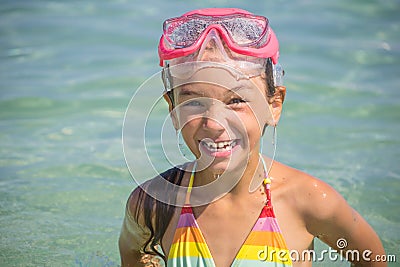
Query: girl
223	88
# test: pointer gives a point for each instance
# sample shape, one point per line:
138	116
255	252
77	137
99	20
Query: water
68	70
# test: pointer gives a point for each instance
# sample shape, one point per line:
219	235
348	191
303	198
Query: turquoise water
68	70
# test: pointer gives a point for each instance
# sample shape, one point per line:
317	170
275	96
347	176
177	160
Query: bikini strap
267	186
266	183
190	186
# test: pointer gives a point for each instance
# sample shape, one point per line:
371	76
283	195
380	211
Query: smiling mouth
219	146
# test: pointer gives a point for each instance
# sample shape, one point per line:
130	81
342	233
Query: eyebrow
188	92
239	88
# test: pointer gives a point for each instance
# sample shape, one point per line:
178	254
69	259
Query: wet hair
157	215
269	78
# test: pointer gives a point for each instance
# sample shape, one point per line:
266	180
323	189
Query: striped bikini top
264	246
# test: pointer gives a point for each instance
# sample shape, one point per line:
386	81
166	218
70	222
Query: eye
236	101
193	103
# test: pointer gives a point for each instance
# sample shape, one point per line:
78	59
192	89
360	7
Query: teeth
220	146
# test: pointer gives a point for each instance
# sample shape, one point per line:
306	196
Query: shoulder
162	189
140	212
322	211
313	199
135	206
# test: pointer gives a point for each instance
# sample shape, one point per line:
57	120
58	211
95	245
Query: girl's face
222	124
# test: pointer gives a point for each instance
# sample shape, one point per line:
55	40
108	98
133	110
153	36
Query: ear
171	109
276	102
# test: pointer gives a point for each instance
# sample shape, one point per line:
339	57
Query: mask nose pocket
213	48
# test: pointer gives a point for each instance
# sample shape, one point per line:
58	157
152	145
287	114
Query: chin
223	164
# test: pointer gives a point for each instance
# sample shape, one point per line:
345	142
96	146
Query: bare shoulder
164	188
322	211
135	204
139	216
312	197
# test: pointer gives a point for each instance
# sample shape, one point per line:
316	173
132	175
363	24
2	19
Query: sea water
69	68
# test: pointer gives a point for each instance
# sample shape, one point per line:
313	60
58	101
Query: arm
330	218
133	236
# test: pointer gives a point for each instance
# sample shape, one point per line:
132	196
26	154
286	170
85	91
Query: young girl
230	207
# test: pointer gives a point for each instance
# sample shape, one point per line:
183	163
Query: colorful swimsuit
264	246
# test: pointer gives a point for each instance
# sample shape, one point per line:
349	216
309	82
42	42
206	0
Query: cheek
260	103
189	133
185	119
255	118
248	128
189	128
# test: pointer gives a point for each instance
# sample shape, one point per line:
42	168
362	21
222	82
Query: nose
214	118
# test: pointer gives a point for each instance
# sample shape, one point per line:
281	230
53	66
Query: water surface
67	73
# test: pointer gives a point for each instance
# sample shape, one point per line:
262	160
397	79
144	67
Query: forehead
215	81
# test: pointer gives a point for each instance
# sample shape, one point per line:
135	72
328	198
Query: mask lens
182	33
243	30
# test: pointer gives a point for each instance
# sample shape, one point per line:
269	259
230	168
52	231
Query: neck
252	173
244	177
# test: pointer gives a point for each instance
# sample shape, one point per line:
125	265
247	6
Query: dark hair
148	206
163	212
269	78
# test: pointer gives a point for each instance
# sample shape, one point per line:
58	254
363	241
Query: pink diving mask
242	32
